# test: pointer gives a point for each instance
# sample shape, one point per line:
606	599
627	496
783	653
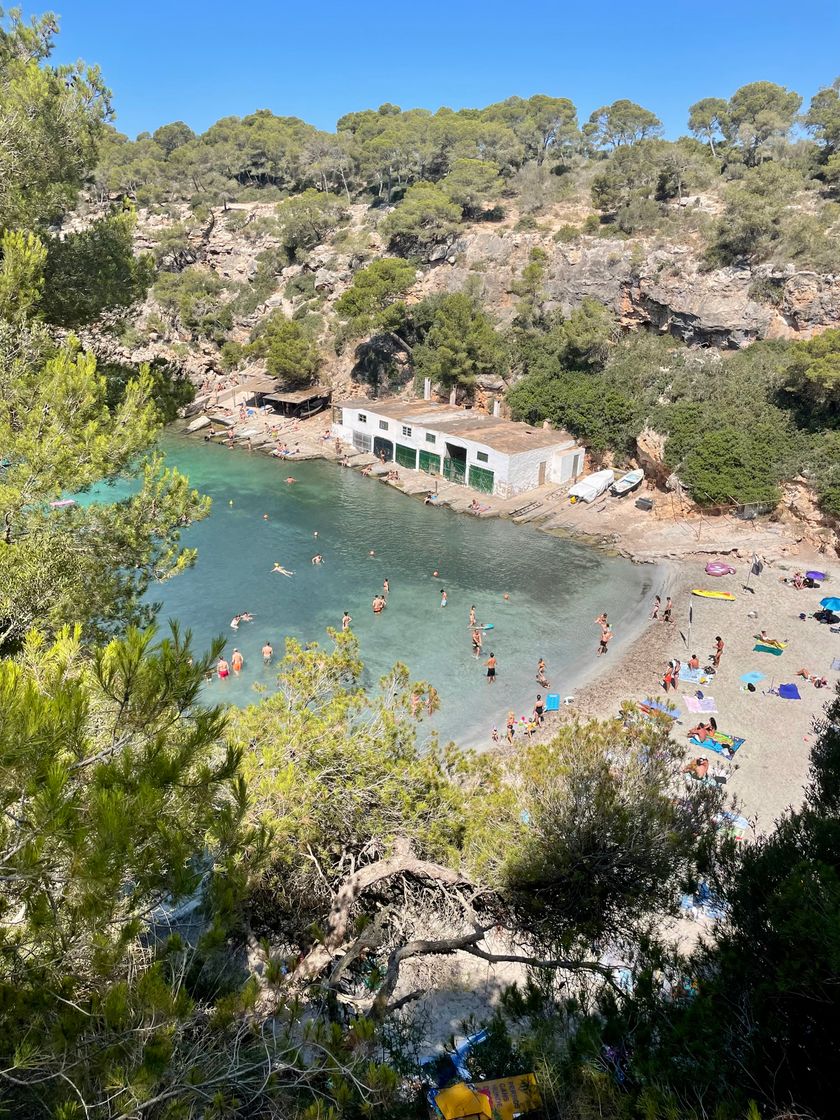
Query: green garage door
429	463
455	470
406	456
481	479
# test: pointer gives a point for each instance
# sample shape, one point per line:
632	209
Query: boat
628	483
727	596
588	489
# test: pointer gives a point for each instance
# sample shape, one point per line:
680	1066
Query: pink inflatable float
718	568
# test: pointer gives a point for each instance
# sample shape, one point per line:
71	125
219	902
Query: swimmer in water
234	622
283	571
371	553
318	559
290	480
443	599
265	517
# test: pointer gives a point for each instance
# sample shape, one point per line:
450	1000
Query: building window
482	456
363	418
406	431
430	438
383	424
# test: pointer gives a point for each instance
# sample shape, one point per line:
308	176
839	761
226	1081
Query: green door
481	479
406	457
455	470
429	463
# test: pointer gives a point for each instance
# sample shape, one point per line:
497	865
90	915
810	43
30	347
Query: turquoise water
556	587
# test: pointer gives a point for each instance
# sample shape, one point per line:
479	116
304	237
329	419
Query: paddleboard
481	626
727	595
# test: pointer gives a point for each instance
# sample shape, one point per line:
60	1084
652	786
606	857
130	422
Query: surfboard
482	626
727	596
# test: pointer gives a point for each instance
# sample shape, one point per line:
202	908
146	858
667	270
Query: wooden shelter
301	403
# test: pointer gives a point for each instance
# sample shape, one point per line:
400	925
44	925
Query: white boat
588	489
628	483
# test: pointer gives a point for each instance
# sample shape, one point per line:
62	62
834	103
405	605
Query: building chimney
427	389
497	407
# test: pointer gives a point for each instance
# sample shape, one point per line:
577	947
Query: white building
485	452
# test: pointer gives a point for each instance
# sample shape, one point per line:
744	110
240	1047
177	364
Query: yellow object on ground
501	1099
462	1102
727	595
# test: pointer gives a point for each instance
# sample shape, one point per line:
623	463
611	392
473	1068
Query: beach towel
692	676
658	706
730	746
552	702
760	648
789	692
752	677
694	704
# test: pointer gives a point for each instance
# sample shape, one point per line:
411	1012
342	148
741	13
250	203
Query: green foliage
51	119
59	435
169	137
94	271
757	113
460	345
169	387
22	264
287	349
471	184
813	376
623	122
372	300
194	300
709	120
823	118
425	218
757	209
305	219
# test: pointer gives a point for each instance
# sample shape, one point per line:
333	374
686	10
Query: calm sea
555	587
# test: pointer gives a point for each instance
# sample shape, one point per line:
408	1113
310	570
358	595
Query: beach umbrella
832	603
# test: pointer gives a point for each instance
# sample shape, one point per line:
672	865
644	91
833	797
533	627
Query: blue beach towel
658	706
752	678
718	748
789	692
693	676
552	702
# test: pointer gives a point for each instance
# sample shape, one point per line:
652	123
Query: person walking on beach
606	638
657	603
676	680
346	619
476	641
511	727
669	606
267	653
668	678
541	677
718	651
491	668
539	710
237	661
443	597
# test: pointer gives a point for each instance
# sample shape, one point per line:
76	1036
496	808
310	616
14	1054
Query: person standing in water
669	606
541	677
223	669
346	619
657	603
443	597
386	587
472	615
491	668
539	710
237	661
476	641
267	653
606	638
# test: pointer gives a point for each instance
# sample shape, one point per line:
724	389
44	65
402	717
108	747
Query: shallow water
556	587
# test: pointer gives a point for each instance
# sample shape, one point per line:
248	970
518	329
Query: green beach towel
768	649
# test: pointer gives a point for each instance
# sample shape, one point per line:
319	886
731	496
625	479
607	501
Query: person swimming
283	571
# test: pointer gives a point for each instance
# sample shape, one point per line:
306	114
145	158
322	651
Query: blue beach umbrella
832	603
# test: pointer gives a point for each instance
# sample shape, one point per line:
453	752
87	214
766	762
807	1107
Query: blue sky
199	61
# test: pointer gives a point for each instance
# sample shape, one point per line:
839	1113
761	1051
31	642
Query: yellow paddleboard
727	595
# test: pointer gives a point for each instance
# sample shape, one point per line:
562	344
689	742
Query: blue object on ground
832	603
818	577
552	702
789	692
718	748
752	678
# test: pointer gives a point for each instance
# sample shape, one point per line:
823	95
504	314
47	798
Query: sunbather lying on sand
817	682
703	730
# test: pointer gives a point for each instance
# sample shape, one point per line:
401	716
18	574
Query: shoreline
769	772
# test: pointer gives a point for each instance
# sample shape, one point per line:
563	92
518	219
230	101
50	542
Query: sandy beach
768	773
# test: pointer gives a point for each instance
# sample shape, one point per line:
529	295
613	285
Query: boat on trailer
628	483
